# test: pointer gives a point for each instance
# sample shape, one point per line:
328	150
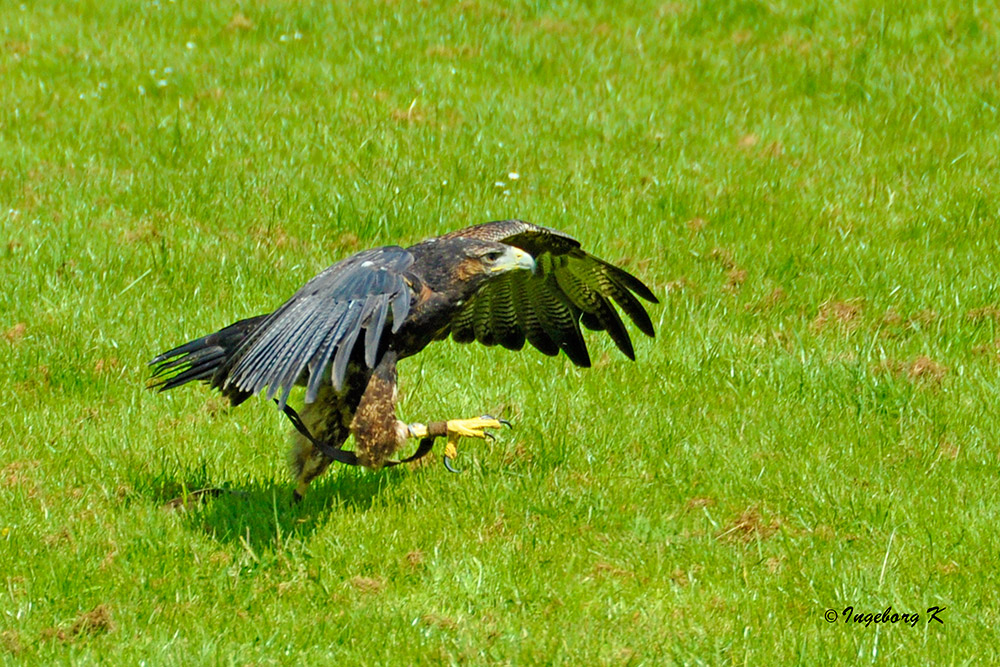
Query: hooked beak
514	259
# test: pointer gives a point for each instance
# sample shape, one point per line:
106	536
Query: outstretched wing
320	325
569	287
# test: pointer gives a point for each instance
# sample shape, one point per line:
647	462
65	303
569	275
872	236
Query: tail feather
199	365
202	359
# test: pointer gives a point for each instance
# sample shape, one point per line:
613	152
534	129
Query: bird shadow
260	513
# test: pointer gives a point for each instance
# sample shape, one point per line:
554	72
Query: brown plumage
341	335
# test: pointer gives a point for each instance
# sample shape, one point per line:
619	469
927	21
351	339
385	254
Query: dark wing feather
504	317
482	319
462	326
346	345
319	326
200	359
557	315
569	286
528	319
324	351
374	325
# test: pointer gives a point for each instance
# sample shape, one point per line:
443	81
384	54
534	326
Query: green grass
812	191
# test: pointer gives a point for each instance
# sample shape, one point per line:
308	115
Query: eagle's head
458	267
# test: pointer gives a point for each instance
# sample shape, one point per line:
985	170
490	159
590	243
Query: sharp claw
490	436
448	466
502	421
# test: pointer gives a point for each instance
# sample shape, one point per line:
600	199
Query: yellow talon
455	430
470	428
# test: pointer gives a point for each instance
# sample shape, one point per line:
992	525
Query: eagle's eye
493	255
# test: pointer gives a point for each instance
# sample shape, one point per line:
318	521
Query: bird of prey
342	334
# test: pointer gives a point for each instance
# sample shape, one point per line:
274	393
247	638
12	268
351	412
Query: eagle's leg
321	419
456	429
378	434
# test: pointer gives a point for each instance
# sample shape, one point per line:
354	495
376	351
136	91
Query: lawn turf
812	191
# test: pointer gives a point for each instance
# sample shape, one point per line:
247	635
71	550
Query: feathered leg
377	432
323	419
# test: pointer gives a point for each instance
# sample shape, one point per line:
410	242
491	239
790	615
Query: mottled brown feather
374	423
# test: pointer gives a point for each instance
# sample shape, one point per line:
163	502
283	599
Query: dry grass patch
921	369
988	349
11	642
747	527
15	333
842	314
16	473
735	278
452	52
766	303
439	622
367	585
97	621
984	314
695	225
699	502
240	22
603	570
723	257
94	622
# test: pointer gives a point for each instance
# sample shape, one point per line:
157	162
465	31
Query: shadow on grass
260	513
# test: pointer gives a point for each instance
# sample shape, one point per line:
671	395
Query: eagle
343	333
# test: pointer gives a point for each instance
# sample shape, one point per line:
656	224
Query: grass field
811	192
